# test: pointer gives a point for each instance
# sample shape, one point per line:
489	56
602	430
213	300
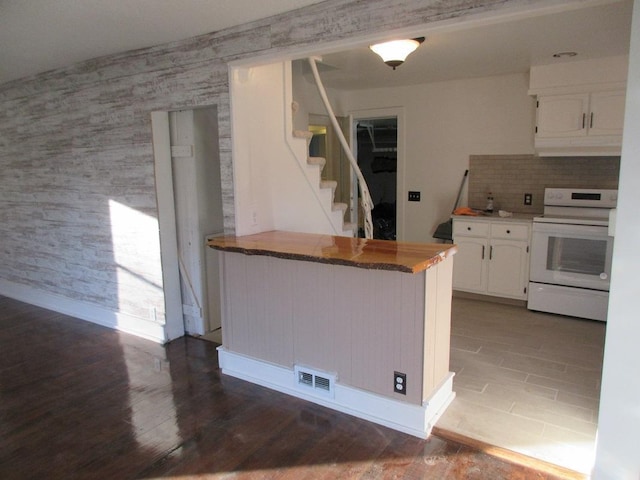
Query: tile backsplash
509	177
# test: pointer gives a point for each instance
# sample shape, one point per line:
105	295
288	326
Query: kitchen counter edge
387	255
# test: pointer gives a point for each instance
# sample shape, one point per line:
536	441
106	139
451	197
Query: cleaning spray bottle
489	208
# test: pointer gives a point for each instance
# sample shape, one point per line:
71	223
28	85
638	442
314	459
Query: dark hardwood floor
81	401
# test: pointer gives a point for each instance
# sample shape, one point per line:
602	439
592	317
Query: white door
508	262
470	265
198	210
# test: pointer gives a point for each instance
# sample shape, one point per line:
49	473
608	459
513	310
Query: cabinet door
508	268
607	113
562	115
469	264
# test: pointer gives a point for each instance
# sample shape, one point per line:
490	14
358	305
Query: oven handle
593	230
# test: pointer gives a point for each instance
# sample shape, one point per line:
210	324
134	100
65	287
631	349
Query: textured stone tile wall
509	177
75	142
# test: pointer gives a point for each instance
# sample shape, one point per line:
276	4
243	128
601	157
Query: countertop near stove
495	217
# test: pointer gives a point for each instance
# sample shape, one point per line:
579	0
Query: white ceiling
36	36
40	35
499	48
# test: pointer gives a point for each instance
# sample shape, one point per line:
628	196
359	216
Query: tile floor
526	381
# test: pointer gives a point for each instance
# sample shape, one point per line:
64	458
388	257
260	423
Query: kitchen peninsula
360	326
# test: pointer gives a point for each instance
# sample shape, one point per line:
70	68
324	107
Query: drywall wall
619	419
305	93
275	189
446	122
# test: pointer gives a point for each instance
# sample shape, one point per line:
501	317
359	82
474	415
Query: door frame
174	321
173	275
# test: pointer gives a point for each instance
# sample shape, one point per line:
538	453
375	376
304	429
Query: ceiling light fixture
395	52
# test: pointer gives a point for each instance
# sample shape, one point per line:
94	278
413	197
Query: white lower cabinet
492	258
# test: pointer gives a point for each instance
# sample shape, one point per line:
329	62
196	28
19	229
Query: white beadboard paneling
437	334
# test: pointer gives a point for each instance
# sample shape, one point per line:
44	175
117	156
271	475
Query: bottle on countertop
489	208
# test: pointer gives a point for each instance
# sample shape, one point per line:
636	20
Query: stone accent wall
76	141
509	177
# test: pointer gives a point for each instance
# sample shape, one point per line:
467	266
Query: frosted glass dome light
395	52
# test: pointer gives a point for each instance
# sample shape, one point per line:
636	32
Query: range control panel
579	197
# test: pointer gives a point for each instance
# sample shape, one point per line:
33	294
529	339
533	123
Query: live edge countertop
354	252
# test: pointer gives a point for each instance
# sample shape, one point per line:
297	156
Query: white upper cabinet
580	107
606	116
561	116
581	123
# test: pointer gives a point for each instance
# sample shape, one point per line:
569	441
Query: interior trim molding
407	418
509	455
140	327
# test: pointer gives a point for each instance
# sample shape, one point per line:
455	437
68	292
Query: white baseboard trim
412	419
84	311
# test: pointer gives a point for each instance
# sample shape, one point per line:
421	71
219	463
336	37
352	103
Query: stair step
317	161
332	184
349	226
302	134
339	206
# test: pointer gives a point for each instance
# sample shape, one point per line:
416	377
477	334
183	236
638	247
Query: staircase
335	211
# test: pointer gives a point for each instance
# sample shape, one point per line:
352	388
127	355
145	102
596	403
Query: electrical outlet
400	383
528	198
414	196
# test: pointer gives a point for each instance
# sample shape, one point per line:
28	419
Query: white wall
274	187
445	123
305	92
617	454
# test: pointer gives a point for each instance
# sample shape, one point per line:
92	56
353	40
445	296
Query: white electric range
571	253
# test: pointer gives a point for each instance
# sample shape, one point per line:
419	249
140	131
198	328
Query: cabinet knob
469	228
508	231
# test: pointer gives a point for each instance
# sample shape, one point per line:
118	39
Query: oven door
571	255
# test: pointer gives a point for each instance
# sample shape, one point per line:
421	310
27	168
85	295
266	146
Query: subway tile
509	176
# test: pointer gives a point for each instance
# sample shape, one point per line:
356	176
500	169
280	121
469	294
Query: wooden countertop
354	252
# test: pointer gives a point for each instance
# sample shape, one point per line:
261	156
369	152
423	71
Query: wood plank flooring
81	401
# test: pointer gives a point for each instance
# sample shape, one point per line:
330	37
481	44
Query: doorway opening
377	154
189	194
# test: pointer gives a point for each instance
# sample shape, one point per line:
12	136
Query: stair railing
365	196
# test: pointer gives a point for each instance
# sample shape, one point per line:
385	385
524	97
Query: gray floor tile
526	381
